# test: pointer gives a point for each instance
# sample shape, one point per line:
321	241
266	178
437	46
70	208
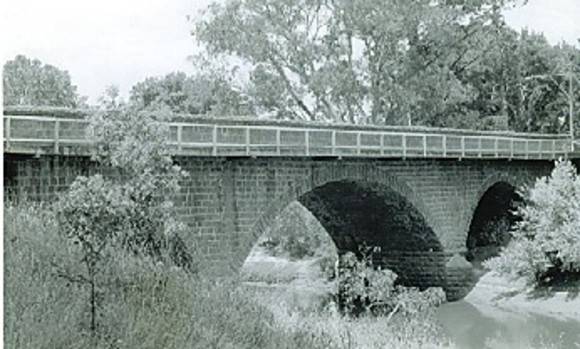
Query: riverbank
493	291
496	314
299	295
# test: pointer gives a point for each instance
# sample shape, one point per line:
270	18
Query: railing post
496	148
179	147
56	135
247	133
424	146
511	148
278	151
527	149
333	142
358	143
382	144
404	141
307	142
214	140
462	147
480	146
444	145
553	149
7	131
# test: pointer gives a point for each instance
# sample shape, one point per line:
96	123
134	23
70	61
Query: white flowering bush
545	244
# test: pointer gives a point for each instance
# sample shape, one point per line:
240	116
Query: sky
121	42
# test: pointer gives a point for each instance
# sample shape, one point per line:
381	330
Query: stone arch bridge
416	193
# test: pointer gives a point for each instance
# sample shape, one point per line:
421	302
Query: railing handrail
79	114
301	127
311	140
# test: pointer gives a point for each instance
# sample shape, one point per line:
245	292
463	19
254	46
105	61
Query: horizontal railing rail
36	134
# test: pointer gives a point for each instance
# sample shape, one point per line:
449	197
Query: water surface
470	326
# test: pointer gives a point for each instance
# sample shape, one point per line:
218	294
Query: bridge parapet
57	132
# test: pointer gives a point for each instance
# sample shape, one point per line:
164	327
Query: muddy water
474	326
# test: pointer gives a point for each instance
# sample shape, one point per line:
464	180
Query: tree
111	99
200	94
29	82
382	62
517	77
130	209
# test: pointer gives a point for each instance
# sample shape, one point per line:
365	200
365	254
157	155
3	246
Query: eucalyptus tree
357	61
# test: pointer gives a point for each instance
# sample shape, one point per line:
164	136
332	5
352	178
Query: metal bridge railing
50	135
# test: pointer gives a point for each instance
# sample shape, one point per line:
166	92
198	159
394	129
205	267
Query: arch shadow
295	190
359	213
493	217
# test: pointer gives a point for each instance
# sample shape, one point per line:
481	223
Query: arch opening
492	220
356	214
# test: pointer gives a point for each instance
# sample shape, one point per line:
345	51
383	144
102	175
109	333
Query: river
479	326
475	322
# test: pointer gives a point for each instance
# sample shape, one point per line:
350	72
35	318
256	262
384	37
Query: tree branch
289	87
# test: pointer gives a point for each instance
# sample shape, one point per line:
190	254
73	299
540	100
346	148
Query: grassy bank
143	304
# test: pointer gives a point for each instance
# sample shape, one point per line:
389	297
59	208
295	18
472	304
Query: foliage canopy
29	82
212	94
434	63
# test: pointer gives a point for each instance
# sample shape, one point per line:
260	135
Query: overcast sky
104	42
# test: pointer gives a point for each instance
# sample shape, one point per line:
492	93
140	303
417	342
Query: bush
363	288
545	244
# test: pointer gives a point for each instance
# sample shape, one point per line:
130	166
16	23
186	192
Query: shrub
545	244
363	288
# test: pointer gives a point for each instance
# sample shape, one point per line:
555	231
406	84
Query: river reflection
469	327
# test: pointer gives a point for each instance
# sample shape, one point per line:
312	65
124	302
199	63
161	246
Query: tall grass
142	304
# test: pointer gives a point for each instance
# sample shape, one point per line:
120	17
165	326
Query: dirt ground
515	296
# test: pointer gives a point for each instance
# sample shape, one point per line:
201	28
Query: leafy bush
363	288
545	244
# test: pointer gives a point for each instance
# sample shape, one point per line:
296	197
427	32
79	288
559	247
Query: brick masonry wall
229	202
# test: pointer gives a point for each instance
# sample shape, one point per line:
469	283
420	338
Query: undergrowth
147	304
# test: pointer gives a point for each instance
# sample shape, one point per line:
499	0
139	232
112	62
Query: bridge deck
197	136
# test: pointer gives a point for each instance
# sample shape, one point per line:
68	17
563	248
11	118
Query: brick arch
322	176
